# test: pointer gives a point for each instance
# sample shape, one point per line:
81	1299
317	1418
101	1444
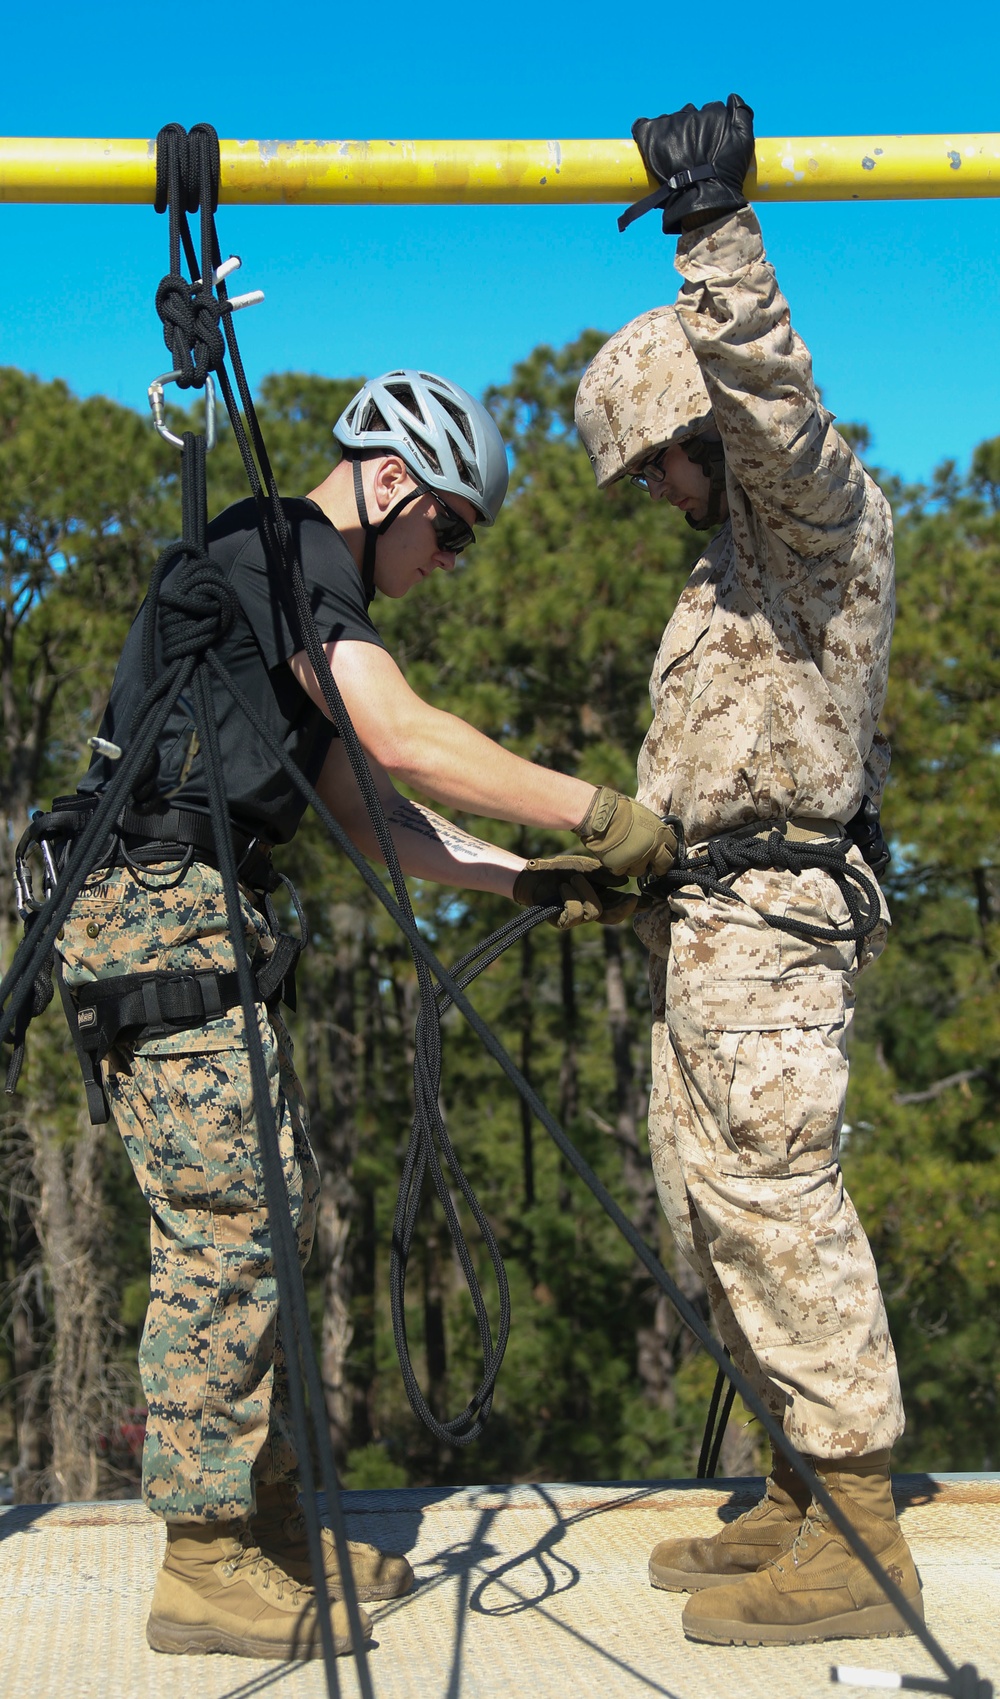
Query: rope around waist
785	846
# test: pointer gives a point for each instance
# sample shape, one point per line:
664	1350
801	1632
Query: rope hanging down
197	609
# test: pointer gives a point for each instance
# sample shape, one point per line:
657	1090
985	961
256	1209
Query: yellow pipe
358	173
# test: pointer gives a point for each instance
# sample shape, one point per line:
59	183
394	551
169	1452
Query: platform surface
538	1591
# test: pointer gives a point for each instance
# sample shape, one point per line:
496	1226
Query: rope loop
171	165
197	607
203	167
187	168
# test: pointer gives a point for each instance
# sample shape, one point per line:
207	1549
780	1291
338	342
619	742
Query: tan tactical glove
627	838
583	887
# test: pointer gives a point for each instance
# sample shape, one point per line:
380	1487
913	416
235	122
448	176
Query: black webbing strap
98	1107
131	1008
180	826
154	1004
374	532
658	197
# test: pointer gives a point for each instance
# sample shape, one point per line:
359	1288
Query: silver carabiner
155	396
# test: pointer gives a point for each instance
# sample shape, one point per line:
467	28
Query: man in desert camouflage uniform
766	693
149	964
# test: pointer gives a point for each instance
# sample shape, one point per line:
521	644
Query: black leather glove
700	156
583	887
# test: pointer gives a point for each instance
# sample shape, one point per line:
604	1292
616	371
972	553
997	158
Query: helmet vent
460	418
373	420
467	474
402	393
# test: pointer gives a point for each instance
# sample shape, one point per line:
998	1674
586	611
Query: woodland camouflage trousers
211	1358
750	1069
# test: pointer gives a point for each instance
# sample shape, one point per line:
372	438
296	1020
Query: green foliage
86	497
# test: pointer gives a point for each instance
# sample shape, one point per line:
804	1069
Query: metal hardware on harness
49	834
155	395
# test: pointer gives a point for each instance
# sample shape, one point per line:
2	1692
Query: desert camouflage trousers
750	1031
211	1358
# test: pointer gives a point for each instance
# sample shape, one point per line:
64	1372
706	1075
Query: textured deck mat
536	1591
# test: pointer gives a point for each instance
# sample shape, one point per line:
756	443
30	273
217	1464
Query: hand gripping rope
199	608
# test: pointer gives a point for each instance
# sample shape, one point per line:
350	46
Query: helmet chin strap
374	532
711	457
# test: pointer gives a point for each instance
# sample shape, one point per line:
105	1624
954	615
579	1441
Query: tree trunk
86	1400
28	1331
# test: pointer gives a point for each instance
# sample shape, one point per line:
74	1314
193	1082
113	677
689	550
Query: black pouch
865	830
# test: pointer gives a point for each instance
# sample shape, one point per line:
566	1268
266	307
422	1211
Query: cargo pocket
770	1064
188	1126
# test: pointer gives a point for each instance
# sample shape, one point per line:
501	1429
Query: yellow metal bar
359	173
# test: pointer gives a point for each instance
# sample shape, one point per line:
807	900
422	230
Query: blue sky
900	303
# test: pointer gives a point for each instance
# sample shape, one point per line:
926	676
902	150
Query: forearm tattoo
414	817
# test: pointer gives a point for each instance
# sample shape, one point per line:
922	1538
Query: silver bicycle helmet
446	437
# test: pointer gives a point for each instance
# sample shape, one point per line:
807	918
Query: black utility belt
185	826
128	1010
135	838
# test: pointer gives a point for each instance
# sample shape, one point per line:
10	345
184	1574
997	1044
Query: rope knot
197	607
192	330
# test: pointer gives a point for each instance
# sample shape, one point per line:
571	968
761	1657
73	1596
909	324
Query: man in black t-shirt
422	463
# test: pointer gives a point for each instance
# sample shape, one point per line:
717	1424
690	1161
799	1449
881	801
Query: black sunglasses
452	531
652	472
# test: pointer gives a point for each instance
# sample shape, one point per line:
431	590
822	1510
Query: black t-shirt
262	639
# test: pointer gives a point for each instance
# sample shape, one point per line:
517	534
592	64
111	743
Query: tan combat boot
217	1592
760	1534
818	1589
279	1527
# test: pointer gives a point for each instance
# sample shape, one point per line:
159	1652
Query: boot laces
253	1560
814	1524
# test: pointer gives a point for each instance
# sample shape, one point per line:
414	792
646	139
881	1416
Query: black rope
713	1437
429	1135
199	607
422	1155
161	694
715	868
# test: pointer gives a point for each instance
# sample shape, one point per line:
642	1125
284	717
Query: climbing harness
189	616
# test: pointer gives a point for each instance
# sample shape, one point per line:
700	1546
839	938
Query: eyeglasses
452	531
652	473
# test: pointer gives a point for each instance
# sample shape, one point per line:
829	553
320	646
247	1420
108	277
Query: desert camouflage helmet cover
641	391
